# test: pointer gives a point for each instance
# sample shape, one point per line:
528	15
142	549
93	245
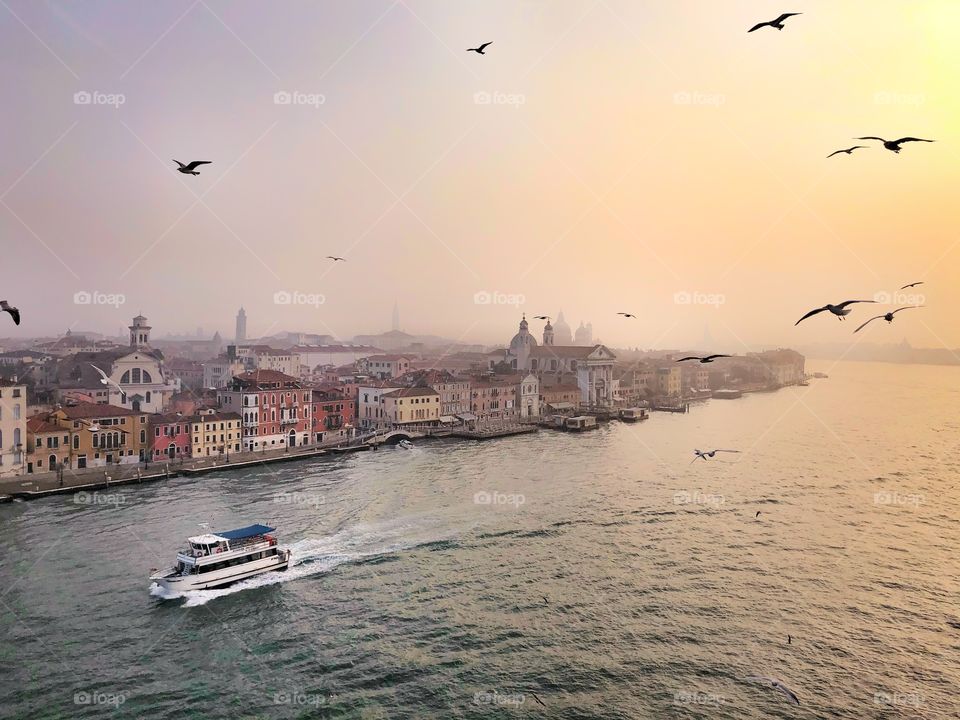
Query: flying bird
541	317
627	315
887	316
848	151
778	23
105	380
919	282
789	639
707	359
707	454
839	310
479	50
191	169
335	258
777	684
8	308
758	512
894	145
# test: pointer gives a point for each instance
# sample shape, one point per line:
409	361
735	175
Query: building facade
13	428
274	409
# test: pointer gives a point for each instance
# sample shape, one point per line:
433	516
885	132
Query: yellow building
411	405
99	435
215	432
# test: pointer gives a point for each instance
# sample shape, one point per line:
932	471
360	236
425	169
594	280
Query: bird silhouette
848	151
541	317
627	315
8	308
336	259
707	454
191	169
919	282
479	50
777	684
893	145
789	639
886	316
778	23
707	359
758	514
840	310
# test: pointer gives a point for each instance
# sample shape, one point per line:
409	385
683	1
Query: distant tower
582	336
548	333
139	333
395	324
561	331
241	326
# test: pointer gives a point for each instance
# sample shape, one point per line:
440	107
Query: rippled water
611	577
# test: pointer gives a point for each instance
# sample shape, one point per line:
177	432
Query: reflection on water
603	572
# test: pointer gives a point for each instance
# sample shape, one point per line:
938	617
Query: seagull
628	315
479	50
105	380
919	282
774	683
191	169
894	145
778	23
14	313
537	699
839	310
706	454
789	639
888	316
541	317
335	258
758	512
707	359
848	151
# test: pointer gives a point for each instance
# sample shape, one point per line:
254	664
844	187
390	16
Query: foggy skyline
599	158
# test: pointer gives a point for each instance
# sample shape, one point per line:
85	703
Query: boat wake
315	556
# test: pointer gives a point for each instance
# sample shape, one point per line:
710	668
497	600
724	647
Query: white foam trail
313	556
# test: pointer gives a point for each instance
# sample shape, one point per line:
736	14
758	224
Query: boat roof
238	534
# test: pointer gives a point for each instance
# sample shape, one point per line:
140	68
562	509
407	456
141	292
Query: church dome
523	338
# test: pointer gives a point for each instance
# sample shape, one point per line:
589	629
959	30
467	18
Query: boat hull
172	583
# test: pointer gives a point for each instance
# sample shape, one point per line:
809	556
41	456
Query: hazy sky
629	151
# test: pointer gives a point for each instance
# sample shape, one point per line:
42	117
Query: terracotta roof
10	383
411	392
40	424
82	411
258	377
213	417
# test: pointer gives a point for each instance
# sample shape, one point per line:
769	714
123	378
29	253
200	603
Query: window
76	442
147	379
136	375
16	411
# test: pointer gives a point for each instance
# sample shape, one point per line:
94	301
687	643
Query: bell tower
139	333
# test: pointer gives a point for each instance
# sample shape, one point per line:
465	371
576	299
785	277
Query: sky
603	156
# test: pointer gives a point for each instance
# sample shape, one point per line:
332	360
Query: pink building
169	436
276	409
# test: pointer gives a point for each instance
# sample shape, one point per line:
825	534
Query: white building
370	413
529	397
13	428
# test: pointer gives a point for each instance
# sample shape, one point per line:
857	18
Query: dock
492	433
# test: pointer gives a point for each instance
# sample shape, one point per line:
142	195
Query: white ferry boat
218	559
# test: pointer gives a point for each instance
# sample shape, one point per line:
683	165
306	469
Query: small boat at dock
580	423
633	414
219	559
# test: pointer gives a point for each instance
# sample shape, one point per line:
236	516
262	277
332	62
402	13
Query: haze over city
601	157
